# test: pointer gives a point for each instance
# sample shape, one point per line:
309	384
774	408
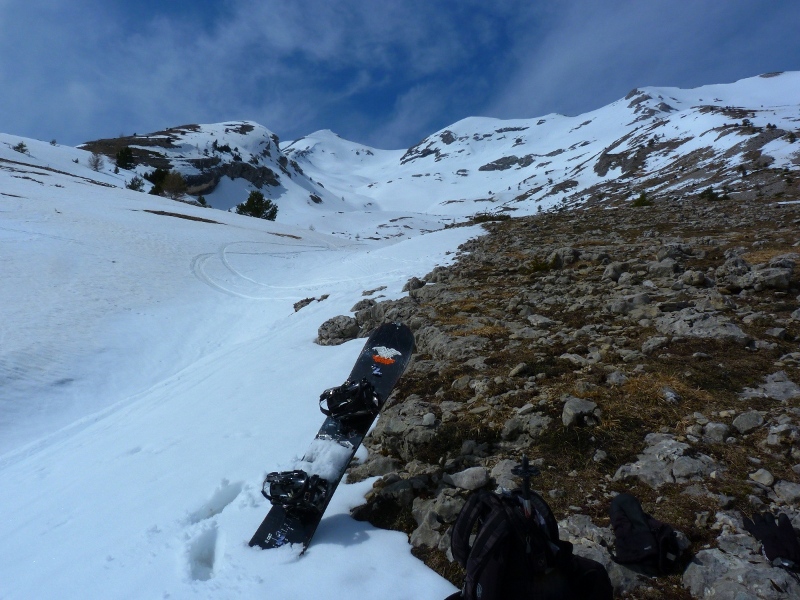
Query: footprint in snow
224	495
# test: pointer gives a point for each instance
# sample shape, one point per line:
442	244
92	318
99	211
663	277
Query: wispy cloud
385	73
594	53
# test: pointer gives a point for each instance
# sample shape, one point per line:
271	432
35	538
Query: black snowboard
378	368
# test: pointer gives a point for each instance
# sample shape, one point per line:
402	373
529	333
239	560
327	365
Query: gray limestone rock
468	479
788	491
337	330
714	573
715	433
579	411
664	461
663	268
613	271
748	421
690	323
778	386
763	477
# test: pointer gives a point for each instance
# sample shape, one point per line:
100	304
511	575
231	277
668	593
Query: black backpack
516	553
642	540
512	556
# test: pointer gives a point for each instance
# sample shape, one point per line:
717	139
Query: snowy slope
152	370
637	143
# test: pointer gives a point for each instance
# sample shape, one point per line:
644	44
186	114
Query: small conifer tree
258	206
125	158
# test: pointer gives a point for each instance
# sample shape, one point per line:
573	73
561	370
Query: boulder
578	411
748	421
690	323
337	330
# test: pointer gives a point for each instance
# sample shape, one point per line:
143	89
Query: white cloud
386	73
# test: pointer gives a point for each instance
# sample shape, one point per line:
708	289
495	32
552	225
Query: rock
763	477
664	268
377	466
654	343
778	332
770	278
778	386
400	429
413	284
364	304
520	369
468	479
664	461
441	346
722	575
540	321
686	468
628	303
613	271
512	428
692	324
783	434
694	278
579	411
616	378
563	257
337	330
748	421
715	433
788	491
670	395
503	475
591	541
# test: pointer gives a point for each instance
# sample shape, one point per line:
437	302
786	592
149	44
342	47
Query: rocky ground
650	349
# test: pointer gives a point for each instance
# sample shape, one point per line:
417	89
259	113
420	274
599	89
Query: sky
384	73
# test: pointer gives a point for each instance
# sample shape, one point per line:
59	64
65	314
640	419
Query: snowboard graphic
299	498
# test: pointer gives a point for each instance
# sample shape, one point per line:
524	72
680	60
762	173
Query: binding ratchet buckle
350	401
296	490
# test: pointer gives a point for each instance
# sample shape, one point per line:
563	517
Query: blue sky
382	72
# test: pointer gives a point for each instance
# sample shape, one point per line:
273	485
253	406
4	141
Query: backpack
511	553
642	540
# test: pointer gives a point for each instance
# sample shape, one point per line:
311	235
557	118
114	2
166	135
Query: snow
153	370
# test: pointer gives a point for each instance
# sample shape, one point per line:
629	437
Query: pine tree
258	206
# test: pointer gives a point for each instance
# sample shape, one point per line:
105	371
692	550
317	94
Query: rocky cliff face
649	349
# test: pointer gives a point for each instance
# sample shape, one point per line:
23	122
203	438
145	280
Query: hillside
648	349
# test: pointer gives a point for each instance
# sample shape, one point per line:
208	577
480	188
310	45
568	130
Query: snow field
153	370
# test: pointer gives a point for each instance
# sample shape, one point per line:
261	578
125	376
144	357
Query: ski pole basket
350	401
295	490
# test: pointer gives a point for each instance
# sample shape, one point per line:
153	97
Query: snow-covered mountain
664	141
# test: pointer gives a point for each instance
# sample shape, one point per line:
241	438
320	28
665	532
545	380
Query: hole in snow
203	552
223	496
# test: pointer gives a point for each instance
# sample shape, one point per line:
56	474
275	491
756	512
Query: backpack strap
475	509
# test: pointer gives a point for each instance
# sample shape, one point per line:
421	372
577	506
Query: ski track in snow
237	269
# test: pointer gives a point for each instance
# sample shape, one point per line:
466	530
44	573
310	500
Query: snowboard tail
299	497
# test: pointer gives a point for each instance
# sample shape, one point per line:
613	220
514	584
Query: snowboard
299	497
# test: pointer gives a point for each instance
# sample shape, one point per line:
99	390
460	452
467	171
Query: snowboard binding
295	491
350	401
